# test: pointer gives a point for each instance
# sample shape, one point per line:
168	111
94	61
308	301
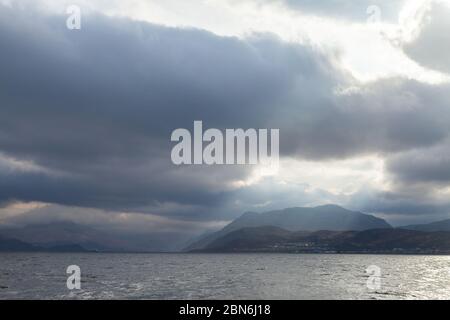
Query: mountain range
318	229
14	245
69	234
328	217
273	239
443	225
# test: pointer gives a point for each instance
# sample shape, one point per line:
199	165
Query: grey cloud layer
431	46
96	107
429	167
391	115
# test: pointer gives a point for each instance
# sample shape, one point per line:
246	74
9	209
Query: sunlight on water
228	276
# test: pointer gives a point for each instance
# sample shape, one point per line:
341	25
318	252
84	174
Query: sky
359	91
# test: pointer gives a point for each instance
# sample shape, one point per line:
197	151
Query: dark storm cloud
96	107
391	115
429	167
403	206
113	190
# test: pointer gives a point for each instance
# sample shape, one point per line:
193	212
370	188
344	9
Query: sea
224	276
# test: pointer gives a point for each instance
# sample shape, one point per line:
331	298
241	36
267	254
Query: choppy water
224	276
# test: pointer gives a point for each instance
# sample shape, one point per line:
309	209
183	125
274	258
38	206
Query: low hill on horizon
67	235
14	245
277	240
443	225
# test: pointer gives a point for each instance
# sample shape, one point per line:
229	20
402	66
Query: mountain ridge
15	245
277	240
326	217
442	225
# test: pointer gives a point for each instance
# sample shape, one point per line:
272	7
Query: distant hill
60	236
273	239
65	236
328	217
443	225
14	245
